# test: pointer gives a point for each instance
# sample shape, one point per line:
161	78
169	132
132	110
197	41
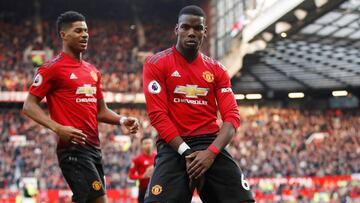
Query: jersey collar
71	58
197	60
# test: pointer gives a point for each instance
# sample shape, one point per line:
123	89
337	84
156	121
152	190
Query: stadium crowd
36	157
271	142
113	48
288	142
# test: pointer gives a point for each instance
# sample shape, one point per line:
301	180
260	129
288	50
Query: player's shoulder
137	158
90	65
53	62
159	56
213	63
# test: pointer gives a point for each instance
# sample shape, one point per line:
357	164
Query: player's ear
176	30
62	34
205	32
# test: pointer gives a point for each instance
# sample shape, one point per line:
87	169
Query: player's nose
191	33
84	35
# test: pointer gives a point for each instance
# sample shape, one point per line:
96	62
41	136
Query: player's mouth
83	42
191	42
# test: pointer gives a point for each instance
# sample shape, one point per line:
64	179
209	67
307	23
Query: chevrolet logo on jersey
88	90
191	91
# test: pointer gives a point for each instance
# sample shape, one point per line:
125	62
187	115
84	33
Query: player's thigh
100	173
225	182
101	199
169	182
83	177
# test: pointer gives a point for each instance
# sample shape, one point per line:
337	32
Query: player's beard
192	45
82	47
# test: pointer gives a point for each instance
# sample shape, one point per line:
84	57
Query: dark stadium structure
318	55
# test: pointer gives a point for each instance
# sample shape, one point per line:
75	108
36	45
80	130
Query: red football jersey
182	98
72	89
138	168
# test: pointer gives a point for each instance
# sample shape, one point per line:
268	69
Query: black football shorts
223	182
83	171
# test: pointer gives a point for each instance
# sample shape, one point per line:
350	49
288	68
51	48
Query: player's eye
79	30
199	28
185	27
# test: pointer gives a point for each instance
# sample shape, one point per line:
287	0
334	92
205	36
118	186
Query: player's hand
132	124
188	160
71	134
194	183
200	163
148	172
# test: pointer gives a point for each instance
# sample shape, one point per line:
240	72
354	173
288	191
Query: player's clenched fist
131	123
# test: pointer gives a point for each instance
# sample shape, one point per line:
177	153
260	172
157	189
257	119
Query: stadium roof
321	55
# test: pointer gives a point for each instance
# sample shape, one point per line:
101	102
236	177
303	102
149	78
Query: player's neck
188	54
75	55
147	153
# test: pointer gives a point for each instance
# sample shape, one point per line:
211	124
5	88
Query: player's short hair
145	137
192	10
65	19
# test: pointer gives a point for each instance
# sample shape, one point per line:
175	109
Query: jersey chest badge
208	76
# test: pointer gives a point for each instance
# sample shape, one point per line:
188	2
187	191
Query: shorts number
244	183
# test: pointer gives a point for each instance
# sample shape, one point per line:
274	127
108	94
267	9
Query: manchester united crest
208	76
94	75
96	185
156	189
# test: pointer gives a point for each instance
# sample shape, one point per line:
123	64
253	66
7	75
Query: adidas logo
176	74
73	76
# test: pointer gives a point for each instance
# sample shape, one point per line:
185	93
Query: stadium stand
272	142
112	52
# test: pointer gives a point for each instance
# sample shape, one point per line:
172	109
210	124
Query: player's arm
33	110
133	175
157	108
231	121
229	113
107	115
